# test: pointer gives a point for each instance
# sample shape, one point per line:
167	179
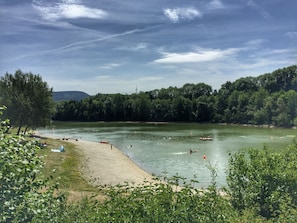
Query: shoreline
104	164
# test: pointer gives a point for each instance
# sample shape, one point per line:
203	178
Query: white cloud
177	14
149	78
199	55
292	34
141	46
272	54
259	9
102	77
215	4
255	42
71	1
134	48
109	66
69	9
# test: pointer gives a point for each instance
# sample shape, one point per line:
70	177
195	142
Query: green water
163	148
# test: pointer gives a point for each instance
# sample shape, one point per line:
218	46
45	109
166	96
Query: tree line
268	99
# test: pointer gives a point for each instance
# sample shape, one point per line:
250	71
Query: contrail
259	9
83	44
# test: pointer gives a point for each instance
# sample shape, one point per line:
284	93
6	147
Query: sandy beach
103	164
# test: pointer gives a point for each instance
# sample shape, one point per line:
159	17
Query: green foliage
21	196
268	99
28	100
154	202
264	181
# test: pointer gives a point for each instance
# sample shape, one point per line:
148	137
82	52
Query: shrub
264	181
154	202
24	195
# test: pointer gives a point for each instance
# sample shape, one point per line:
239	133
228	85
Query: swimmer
191	151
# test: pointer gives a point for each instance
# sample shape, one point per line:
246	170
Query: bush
24	195
264	181
153	202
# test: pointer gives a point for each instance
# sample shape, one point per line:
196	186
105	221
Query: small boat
206	138
104	142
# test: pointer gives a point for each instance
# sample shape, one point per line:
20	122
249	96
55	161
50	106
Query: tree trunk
19	129
26	130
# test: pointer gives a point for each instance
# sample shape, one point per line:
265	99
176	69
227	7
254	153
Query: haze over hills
69	95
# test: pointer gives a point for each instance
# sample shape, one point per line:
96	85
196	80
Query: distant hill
69	95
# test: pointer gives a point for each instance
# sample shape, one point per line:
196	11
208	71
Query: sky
128	46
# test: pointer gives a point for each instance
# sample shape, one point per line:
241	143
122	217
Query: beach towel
60	150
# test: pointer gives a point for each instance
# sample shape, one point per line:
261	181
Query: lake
164	148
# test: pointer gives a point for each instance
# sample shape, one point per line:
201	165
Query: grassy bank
65	168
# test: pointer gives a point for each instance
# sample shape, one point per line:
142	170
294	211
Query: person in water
191	151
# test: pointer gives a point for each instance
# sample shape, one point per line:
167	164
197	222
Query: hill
69	95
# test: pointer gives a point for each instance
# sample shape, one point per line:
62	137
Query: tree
192	91
281	79
246	84
142	107
203	108
28	100
119	107
181	109
221	105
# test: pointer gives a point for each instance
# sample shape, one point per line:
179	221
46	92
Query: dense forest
268	99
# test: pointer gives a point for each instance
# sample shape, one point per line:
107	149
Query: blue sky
116	46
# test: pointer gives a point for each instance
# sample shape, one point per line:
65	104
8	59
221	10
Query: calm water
163	149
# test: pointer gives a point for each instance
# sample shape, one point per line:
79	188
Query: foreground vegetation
262	187
269	99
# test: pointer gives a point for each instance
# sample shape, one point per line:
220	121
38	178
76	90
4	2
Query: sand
104	164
